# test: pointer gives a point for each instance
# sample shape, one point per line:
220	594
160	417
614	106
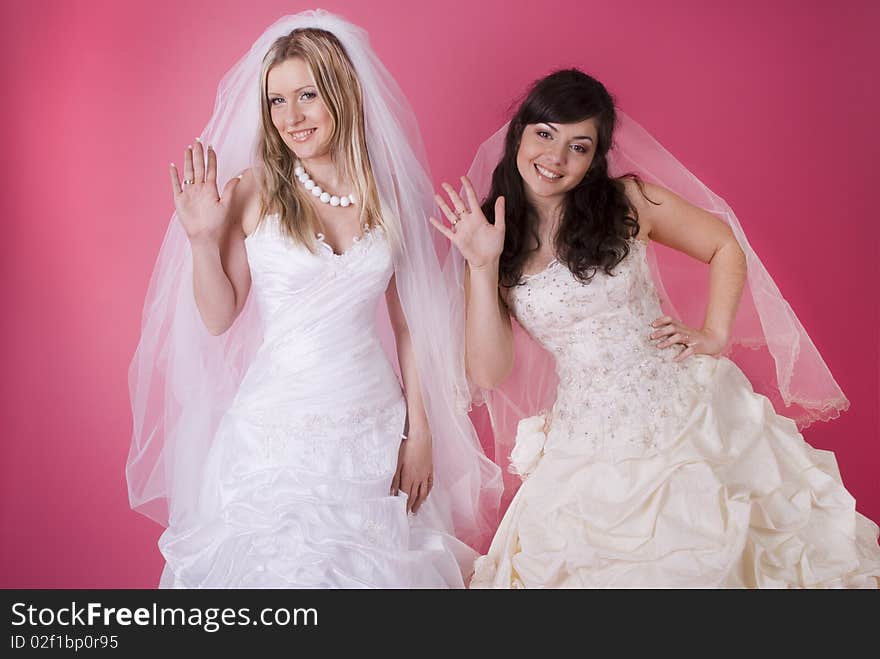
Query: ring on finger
188	181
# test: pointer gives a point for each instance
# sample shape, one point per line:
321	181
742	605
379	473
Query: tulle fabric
735	499
295	489
182	379
652	473
768	342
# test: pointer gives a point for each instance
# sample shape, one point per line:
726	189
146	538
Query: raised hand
479	242
200	208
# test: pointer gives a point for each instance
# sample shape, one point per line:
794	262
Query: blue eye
307	96
276	100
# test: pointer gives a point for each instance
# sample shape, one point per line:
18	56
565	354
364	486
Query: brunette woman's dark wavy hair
597	218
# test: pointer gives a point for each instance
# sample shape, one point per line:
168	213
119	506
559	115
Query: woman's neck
325	173
548	210
548	216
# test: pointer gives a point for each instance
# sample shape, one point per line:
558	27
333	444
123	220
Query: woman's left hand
695	341
415	469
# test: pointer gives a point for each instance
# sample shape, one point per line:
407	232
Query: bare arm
214	226
674	222
414	464
417	419
488	335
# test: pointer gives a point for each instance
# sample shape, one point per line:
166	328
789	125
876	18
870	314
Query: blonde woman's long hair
340	91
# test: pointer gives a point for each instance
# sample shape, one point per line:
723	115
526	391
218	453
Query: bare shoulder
245	201
642	195
648	200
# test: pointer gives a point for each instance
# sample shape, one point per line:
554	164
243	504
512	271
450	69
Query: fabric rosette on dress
655	473
529	445
660	474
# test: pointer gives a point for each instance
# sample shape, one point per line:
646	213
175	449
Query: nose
293	115
558	152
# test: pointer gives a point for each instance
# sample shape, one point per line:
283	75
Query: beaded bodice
617	392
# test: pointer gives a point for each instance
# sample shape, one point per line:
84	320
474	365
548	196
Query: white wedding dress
656	474
295	492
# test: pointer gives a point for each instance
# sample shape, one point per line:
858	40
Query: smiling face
297	110
553	158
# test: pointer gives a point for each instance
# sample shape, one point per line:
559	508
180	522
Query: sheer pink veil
768	341
182	379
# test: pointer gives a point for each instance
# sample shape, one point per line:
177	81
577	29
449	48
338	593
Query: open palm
200	209
479	241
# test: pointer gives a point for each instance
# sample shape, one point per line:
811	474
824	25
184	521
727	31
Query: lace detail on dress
618	395
357	243
655	473
352	444
295	491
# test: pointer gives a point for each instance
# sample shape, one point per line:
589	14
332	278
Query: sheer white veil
768	341
182	379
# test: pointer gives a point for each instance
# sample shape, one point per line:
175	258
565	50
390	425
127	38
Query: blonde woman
273	434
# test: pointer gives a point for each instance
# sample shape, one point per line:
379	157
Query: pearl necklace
315	189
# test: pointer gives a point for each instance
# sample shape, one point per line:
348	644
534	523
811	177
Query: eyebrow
556	130
295	91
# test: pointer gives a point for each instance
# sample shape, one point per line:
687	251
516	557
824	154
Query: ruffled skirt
304	502
736	498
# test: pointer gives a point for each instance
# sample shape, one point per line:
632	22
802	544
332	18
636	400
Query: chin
311	153
546	190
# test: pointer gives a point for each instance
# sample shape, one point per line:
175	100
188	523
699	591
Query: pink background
771	104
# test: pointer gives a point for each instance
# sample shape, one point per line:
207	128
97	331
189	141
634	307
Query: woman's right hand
479	242
200	208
